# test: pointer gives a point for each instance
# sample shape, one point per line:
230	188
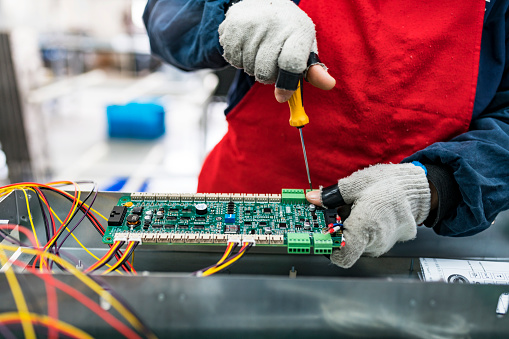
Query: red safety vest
406	76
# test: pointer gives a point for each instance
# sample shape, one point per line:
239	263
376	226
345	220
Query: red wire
52	308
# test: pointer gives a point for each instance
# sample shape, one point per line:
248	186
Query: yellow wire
131	318
45	320
31	220
19	299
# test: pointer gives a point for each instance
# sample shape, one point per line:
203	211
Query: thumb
314	198
320	78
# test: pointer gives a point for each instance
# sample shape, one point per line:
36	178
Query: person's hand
389	201
266	36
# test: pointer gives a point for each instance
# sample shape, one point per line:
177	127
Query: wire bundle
226	260
49	253
53	245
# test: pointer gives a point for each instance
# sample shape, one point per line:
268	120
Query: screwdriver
299	119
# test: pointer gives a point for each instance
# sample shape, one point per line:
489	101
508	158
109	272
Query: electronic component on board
266	220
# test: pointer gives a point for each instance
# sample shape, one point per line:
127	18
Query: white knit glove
261	36
389	200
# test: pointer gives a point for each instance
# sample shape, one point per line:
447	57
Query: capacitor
312	208
268	230
149	212
307	225
160	213
201	209
148	219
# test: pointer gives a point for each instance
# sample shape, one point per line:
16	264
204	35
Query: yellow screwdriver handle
298	117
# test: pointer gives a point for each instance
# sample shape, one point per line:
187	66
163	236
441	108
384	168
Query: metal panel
268	307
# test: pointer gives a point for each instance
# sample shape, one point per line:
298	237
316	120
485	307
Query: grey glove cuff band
313	60
331	197
288	80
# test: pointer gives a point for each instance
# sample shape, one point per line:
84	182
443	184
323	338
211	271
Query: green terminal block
322	243
293	196
298	243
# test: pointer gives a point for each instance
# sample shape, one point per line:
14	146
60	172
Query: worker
408	106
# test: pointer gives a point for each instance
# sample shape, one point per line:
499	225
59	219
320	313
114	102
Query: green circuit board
285	219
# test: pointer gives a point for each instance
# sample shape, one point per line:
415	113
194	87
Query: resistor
334	229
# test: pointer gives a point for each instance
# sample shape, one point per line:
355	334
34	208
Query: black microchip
137	210
185	218
267	210
248	223
199	227
263	223
298	226
174	210
117	215
183	226
253	231
200	219
169	226
157	226
171	217
282	225
186	210
301	219
247	211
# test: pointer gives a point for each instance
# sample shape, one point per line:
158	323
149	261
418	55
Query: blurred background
81	98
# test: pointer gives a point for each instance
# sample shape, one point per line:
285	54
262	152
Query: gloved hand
263	36
389	201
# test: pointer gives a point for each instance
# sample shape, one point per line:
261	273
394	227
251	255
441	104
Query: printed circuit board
285	219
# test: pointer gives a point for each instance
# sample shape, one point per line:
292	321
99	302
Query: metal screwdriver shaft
298	118
305	157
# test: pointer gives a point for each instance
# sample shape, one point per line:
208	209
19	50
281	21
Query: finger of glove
353	186
385	215
355	244
260	55
266	67
295	51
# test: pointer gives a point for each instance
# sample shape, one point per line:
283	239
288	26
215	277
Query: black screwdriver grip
331	197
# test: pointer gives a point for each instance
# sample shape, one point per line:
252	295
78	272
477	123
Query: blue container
135	121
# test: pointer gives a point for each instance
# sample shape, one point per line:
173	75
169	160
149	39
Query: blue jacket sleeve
184	32
479	158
